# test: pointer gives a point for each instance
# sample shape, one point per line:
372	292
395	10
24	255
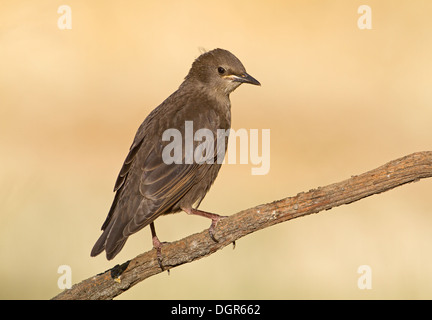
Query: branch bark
115	281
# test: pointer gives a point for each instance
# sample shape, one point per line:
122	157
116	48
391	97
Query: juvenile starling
148	185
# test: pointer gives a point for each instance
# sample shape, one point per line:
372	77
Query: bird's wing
162	186
165	184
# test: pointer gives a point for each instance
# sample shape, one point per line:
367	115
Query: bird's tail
99	245
112	249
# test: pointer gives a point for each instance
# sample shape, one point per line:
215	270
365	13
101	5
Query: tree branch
115	281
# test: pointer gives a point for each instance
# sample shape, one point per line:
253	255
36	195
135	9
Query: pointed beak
244	78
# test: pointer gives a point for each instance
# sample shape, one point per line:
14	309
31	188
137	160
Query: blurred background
338	100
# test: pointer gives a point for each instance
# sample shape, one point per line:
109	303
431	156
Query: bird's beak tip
249	79
245	78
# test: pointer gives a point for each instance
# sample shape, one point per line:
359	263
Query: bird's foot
215	219
158	246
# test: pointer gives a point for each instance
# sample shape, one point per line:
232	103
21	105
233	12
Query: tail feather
121	223
112	252
111	248
99	245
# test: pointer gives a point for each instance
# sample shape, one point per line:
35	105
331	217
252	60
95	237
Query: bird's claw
213	225
158	246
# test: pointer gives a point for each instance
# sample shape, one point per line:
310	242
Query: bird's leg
214	217
157	245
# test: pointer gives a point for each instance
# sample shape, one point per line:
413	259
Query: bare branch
115	281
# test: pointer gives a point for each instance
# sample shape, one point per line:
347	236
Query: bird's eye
221	70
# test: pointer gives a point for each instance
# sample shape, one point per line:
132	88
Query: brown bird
153	181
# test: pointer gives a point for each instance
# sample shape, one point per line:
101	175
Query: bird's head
219	70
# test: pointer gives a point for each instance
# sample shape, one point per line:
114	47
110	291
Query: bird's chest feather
205	112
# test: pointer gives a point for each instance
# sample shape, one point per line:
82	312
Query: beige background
338	100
